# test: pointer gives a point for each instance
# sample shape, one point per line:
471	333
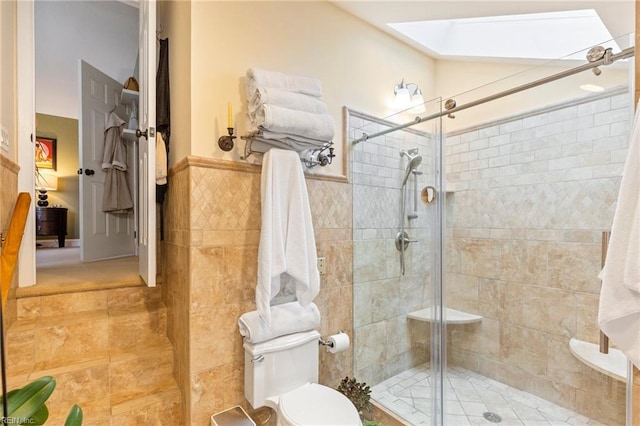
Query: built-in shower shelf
451	316
613	364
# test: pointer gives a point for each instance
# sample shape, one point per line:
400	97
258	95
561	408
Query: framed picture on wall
45	153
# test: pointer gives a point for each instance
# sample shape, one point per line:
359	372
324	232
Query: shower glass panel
396	276
532	181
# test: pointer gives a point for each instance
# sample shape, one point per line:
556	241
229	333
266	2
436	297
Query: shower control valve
402	239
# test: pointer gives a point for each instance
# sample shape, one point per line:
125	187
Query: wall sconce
44	183
409	95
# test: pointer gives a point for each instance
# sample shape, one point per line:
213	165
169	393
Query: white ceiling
617	15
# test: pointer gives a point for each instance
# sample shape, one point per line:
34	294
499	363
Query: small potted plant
358	393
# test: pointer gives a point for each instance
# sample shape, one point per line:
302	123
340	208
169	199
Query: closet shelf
129	96
452	316
613	364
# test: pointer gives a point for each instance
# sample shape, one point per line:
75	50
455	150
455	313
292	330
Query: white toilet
282	373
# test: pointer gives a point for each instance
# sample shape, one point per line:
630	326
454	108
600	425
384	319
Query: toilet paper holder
324	342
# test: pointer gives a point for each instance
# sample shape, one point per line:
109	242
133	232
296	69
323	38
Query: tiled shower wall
210	270
530	198
386	341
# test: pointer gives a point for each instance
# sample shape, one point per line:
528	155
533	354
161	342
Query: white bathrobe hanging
117	195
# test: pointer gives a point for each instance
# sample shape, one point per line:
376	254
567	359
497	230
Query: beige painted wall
65	130
469	81
357	64
8	73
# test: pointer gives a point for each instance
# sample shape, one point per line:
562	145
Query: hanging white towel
287	244
161	160
619	311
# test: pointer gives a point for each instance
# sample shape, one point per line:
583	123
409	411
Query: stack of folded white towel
287	111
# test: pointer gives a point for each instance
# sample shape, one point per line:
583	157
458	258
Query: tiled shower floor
468	396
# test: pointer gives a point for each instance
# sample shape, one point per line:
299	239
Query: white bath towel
304	141
287	243
284	120
263	145
161	160
257	77
287	318
619	311
283	98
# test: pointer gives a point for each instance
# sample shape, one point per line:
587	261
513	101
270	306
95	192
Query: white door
102	235
147	145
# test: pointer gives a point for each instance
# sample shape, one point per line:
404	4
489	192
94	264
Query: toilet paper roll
338	342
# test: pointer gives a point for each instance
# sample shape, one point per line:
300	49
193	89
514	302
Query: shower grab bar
414	214
607	58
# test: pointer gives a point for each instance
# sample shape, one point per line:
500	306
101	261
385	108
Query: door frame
25	31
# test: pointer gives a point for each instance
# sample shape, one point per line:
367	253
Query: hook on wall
159	32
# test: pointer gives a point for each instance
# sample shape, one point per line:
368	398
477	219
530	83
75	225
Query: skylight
547	36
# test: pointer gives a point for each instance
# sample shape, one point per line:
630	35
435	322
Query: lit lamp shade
47	182
418	101
403	97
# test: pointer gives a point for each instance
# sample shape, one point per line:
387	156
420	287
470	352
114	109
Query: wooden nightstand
52	221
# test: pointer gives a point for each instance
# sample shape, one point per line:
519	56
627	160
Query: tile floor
468	396
61	268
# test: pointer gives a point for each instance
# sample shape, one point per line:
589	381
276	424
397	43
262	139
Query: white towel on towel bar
257	77
283	98
287	318
284	120
309	142
287	243
263	145
619	311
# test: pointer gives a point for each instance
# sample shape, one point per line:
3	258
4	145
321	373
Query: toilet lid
317	405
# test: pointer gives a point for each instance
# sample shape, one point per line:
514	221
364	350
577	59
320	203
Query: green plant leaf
75	417
40	417
25	402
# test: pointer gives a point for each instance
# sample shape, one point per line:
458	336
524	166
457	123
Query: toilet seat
316	405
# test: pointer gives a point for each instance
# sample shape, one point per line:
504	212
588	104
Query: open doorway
104	34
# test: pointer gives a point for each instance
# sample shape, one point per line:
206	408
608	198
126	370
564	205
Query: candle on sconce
226	142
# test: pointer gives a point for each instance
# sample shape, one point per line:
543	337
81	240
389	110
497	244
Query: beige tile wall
531	197
213	230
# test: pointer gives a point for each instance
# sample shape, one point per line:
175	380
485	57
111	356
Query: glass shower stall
477	248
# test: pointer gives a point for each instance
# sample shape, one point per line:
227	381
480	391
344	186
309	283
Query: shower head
414	163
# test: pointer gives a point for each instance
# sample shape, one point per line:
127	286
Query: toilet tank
279	365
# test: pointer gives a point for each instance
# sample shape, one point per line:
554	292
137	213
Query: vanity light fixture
409	95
